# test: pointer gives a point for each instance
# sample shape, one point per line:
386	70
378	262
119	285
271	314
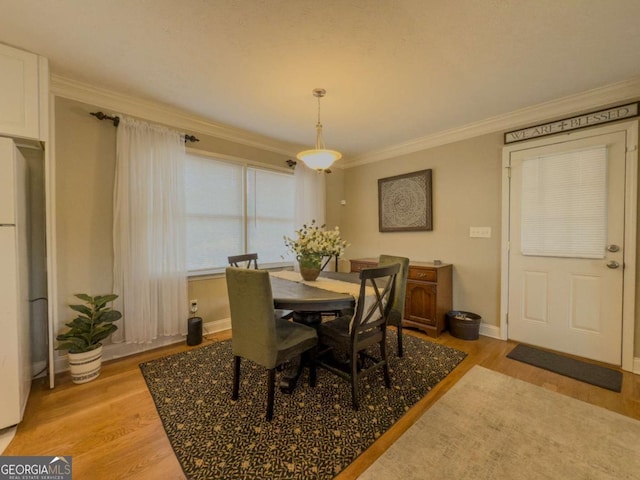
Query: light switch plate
480	232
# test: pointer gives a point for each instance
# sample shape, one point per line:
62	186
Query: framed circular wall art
404	202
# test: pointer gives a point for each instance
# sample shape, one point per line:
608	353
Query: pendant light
319	158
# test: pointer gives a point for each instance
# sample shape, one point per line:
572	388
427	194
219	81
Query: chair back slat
397	311
327	260
396	315
374	313
251	260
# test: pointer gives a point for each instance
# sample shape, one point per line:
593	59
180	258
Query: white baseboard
6	435
492	331
217	326
636	365
120	350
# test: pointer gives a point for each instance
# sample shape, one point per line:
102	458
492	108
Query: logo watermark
35	468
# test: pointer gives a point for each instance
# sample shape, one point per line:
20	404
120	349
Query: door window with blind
564	204
234	208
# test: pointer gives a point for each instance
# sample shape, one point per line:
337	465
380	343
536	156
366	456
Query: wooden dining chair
354	335
251	260
325	263
259	335
327	260
397	310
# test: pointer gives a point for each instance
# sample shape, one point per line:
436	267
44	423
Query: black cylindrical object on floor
464	325
194	331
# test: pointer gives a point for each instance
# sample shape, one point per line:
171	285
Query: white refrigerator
15	358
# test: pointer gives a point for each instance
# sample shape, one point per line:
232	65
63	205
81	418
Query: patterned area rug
314	433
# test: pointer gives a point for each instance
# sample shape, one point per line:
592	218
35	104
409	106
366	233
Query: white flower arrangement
315	241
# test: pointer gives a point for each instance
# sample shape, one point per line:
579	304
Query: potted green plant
86	332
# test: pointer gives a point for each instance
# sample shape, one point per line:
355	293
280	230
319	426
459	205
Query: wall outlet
480	232
193	305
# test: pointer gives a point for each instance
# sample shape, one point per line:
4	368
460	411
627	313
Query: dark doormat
569	367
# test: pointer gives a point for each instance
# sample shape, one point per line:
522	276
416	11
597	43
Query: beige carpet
492	426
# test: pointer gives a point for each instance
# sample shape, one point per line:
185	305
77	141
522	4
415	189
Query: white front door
566	243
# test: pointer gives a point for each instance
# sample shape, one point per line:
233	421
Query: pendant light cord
319	137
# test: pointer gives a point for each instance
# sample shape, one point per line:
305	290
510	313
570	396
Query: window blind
229	206
214	194
270	212
564	204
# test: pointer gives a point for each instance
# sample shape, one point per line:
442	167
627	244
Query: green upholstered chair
354	335
397	312
258	334
251	260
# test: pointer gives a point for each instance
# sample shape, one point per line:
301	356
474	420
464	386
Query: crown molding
547	111
161	113
164	114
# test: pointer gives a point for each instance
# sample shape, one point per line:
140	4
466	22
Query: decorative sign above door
581	121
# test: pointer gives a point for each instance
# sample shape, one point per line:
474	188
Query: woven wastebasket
464	325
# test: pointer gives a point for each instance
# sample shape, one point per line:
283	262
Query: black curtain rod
104	116
116	122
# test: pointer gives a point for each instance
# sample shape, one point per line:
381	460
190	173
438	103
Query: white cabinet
24	85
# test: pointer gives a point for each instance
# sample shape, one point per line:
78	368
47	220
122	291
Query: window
564	204
234	208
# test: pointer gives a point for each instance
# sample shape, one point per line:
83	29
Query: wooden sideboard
429	294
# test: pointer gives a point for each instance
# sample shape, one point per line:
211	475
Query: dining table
331	292
308	299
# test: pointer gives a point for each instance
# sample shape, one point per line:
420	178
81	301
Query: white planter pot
85	366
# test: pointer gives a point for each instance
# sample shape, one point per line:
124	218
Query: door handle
613	248
613	264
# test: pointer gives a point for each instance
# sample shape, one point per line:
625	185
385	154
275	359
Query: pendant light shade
319	158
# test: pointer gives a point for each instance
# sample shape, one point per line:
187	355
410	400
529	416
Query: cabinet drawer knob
420	274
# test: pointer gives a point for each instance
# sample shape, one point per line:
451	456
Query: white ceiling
394	70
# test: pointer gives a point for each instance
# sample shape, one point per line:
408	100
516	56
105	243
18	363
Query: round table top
289	295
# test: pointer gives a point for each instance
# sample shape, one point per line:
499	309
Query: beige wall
466	192
85	166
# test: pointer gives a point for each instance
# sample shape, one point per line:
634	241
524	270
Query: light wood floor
112	430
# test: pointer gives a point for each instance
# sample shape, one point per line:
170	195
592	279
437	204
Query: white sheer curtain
310	195
309	198
149	232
